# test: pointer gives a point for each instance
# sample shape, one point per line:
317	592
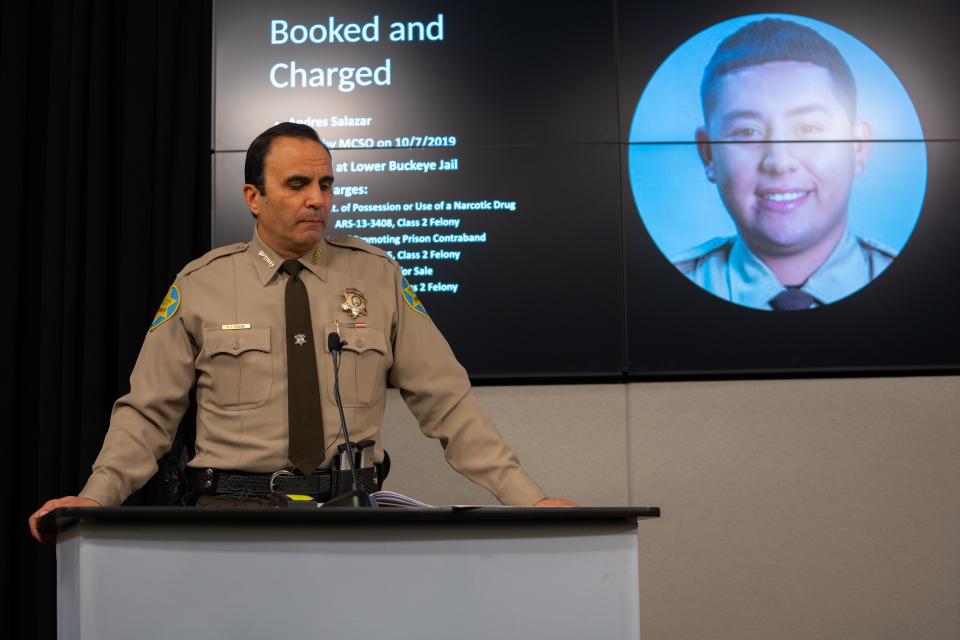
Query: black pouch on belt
368	472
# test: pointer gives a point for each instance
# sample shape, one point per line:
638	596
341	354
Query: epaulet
869	244
688	260
353	242
212	255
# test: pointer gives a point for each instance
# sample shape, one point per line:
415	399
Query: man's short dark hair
260	147
777	40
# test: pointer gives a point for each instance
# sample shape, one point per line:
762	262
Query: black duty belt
320	485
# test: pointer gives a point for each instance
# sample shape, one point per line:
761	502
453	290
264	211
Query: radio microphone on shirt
335	344
358	497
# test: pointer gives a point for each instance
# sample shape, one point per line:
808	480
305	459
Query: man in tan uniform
221	326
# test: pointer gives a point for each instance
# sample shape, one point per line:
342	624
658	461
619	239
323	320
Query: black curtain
106	168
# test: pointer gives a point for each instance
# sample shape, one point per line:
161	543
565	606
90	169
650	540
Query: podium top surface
60	519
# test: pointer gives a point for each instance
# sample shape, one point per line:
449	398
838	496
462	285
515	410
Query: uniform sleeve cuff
520	491
102	490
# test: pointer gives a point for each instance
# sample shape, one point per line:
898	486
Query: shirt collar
267	262
844	272
753	284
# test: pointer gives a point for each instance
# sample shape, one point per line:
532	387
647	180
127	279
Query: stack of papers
393	499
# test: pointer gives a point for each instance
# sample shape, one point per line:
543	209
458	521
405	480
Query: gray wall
791	508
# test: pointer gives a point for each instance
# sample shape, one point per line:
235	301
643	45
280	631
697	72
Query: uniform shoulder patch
169	306
353	242
212	255
410	297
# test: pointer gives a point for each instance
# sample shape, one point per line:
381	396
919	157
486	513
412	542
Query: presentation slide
473	144
788	195
634	189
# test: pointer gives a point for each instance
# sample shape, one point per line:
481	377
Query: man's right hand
50	505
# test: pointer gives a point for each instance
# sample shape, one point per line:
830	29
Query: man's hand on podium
556	502
50	505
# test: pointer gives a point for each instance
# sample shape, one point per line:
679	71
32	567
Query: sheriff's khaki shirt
222	326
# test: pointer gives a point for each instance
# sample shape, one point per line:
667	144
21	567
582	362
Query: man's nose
314	197
778	158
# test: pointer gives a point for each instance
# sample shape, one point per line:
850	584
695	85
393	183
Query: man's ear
706	153
252	195
862	144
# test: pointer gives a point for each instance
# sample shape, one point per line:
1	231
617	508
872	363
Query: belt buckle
275	475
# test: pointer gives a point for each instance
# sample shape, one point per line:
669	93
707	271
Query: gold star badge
354	303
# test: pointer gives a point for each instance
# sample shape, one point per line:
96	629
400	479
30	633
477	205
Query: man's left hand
556	502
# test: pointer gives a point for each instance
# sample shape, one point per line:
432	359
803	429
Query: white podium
446	573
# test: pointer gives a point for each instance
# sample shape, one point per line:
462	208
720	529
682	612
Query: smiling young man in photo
783	143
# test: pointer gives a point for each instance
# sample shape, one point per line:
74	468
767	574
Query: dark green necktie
303	389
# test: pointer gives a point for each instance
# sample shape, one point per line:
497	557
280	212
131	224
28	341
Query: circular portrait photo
777	162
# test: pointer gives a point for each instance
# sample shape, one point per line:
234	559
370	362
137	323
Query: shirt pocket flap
236	342
363	340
